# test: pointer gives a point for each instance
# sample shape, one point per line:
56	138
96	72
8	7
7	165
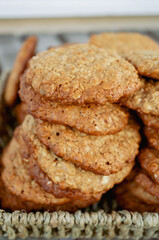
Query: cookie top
17	180
152	135
99	154
123	42
91	119
149	161
145	61
65	173
146	100
150	120
80	74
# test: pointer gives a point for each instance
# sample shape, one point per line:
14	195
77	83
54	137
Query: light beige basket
93	222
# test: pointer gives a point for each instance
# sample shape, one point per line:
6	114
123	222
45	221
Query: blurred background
60	21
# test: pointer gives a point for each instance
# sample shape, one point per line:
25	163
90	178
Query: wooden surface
58	25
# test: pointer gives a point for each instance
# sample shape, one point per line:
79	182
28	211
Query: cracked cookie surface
123	42
146	62
65	173
146	100
91	119
100	154
81	74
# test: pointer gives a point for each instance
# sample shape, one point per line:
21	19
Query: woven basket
98	221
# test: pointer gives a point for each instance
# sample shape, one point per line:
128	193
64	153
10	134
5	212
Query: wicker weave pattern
122	224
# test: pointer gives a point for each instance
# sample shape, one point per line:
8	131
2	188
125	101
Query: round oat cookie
26	52
152	135
132	194
41	177
91	119
19	183
149	120
64	173
146	100
149	161
129	202
145	61
140	193
80	74
123	42
148	185
16	179
99	154
49	186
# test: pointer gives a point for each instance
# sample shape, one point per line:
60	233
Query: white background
76	8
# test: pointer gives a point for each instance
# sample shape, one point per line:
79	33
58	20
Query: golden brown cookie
146	100
99	154
147	184
130	202
26	52
152	135
149	161
20	112
149	120
42	178
64	173
134	195
123	42
17	181
140	193
81	74
145	61
49	186
91	119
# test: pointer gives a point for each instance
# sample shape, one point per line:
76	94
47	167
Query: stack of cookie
141	189
76	142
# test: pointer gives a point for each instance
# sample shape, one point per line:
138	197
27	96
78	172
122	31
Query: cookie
20	112
11	202
152	135
91	119
99	154
123	42
81	74
26	52
149	120
145	61
129	202
146	100
41	177
134	196
49	186
64	173
17	181
139	192
147	184
149	161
